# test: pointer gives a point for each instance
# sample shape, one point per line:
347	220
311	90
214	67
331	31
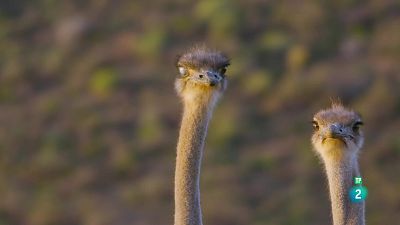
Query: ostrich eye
356	126
315	125
222	71
182	71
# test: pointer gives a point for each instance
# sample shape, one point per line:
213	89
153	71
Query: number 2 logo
358	194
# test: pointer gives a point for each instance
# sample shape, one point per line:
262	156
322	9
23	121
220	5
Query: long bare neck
196	116
340	177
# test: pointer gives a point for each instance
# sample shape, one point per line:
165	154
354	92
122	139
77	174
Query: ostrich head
337	132
201	74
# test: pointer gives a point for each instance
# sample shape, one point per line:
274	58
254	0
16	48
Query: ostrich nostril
201	75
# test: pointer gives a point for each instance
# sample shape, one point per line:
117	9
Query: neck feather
196	116
340	177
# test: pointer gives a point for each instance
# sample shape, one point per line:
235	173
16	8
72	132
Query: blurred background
89	118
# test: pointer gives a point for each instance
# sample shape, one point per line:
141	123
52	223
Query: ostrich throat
196	116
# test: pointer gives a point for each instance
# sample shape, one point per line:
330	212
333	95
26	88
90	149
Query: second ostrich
200	83
337	139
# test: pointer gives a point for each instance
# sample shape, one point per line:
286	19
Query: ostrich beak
208	77
335	131
213	78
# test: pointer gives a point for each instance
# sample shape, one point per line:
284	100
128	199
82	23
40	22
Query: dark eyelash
315	125
359	123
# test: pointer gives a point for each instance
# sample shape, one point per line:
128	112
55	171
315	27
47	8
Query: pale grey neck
340	178
188	162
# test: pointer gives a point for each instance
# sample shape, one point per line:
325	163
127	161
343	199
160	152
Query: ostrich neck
188	162
340	177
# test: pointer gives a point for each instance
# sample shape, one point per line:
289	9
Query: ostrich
337	139
200	84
